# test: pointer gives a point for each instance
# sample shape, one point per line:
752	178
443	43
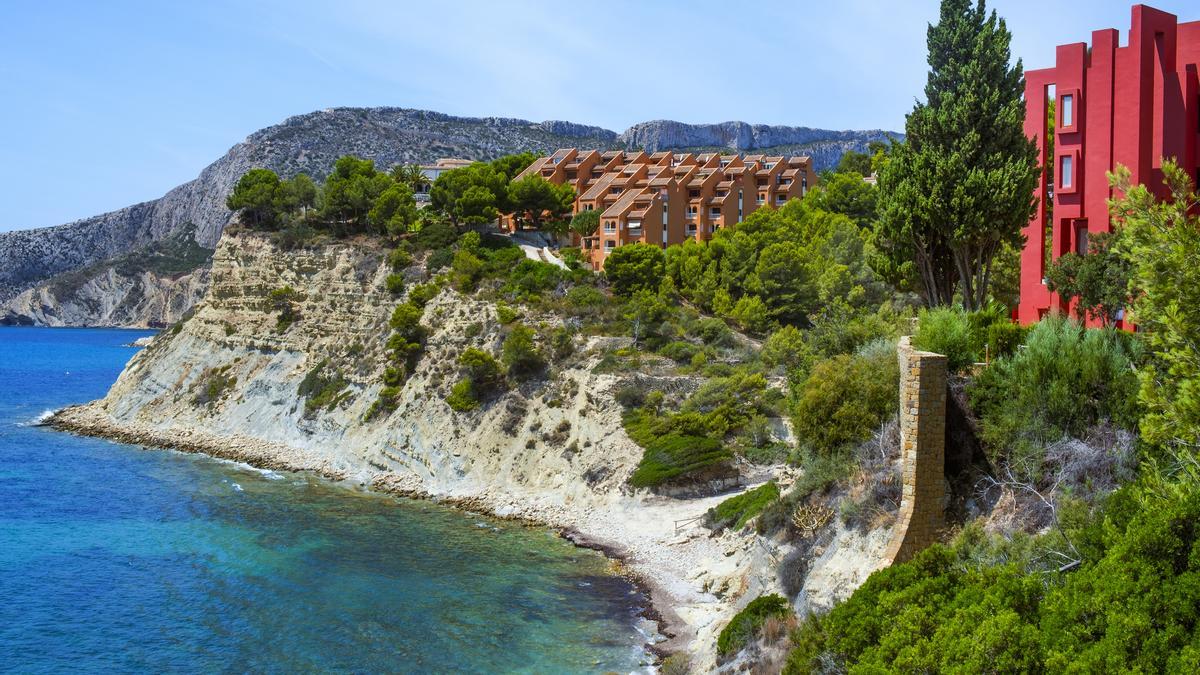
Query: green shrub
1066	379
635	267
435	235
216	383
946	330
462	396
746	624
506	314
421	294
845	399
530	277
584	298
562	342
321	389
399	259
395	284
439	260
465	271
821	473
630	395
736	511
1129	606
519	353
679	351
481	369
676	456
1003	339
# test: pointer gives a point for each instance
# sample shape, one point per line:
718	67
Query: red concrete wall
1133	106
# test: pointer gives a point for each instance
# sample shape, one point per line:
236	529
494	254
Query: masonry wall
923	451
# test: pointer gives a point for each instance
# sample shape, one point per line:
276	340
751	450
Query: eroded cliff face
227	369
109	298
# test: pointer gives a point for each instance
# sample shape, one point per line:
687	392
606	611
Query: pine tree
962	183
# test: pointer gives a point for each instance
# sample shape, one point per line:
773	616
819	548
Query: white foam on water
37	421
237	487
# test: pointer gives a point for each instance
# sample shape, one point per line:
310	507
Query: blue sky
104	104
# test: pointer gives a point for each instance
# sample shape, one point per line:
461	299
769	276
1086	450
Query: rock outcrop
310	143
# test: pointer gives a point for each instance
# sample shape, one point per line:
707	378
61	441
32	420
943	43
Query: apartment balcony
691	230
691	215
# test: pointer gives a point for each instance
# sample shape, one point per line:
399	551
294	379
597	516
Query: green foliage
350	193
519	353
585	223
505	314
1163	245
213	385
961	184
853	164
435	236
320	388
945	330
465	271
645	313
751	314
470	195
634	267
1066	379
254	198
400	258
482	369
1099	280
539	204
511	165
736	511
1130	606
845	399
395	210
281	300
745	625
962	336
795	260
462	396
395	283
532	277
439	259
849	195
421	294
673	456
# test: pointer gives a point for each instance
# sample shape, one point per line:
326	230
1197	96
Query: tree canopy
962	183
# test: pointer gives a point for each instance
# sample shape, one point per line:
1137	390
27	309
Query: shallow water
118	558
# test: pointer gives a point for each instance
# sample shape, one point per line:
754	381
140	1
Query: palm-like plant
412	175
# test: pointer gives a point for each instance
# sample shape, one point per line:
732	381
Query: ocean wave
39	420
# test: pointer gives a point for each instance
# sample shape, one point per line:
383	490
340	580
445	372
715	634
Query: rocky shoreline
674	632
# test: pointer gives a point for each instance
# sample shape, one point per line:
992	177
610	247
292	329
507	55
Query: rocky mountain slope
310	143
231	381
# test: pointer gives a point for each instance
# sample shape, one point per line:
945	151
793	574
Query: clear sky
104	104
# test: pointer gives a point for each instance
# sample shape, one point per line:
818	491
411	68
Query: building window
1068	110
1081	237
610	227
588	207
1066	173
609	244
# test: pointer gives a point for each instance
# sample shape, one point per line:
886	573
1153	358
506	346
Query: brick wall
923	451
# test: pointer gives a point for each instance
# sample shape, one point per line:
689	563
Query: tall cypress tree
962	183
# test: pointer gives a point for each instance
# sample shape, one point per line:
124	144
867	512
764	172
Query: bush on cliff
746	624
735	512
1066	379
844	399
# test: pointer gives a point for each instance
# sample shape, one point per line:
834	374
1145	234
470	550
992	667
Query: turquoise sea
116	558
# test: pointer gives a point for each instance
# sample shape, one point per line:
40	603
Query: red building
1114	105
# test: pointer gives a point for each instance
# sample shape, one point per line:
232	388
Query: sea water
120	558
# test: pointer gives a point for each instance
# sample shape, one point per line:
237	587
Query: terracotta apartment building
664	198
